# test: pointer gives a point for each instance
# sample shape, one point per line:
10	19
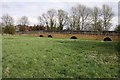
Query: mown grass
29	57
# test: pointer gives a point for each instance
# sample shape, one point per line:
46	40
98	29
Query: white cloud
114	22
58	1
54	1
33	20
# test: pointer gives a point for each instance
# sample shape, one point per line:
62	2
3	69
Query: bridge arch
50	36
107	39
73	37
41	36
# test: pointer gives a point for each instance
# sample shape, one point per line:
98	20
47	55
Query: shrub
9	29
117	28
0	29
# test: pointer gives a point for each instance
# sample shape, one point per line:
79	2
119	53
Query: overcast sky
34	8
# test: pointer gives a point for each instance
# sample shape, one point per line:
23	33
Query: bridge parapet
106	33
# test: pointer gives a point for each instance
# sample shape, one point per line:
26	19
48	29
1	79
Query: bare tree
73	18
62	16
84	15
52	15
79	16
41	23
41	20
107	15
96	20
7	20
1	25
68	23
45	20
8	24
23	20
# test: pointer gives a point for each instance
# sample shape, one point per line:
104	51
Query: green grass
0	56
29	57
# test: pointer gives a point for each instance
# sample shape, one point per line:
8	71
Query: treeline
80	18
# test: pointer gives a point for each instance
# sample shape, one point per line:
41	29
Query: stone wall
79	35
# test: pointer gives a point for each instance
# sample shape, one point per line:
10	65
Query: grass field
29	57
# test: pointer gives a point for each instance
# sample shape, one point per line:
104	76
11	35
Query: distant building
22	28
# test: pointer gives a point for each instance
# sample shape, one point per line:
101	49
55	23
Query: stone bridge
87	35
